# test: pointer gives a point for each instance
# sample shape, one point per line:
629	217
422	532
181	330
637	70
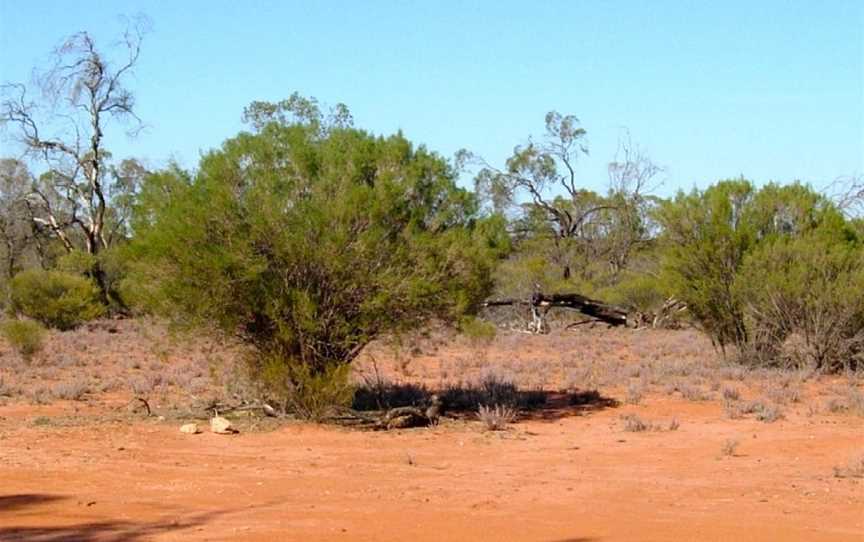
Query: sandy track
574	478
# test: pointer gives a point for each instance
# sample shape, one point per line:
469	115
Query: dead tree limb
610	314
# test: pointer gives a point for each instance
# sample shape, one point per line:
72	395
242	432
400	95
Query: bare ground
91	468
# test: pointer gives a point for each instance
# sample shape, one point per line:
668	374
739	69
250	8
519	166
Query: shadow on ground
95	531
462	401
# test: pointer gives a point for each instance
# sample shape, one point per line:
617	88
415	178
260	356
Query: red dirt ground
88	470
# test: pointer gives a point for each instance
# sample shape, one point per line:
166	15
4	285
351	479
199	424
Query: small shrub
674	424
784	394
7	390
26	336
692	393
634	424
731	394
634	395
729	447
54	298
855	400
733	409
141	385
768	413
305	393
73	390
477	330
496	418
855	469
40	396
836	405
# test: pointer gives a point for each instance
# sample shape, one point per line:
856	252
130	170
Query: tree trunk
610	314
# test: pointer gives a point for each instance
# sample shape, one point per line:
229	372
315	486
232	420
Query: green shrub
478	330
309	245
637	292
55	298
77	262
706	236
804	302
25	336
304	393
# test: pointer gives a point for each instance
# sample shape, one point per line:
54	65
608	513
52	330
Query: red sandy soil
89	471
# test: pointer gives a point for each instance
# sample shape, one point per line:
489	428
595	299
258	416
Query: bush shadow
461	401
93	531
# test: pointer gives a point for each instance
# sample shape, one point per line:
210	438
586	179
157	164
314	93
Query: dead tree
578	220
540	304
81	92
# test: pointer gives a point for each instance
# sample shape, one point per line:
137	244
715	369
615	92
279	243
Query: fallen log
610	314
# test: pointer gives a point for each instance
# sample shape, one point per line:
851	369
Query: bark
605	312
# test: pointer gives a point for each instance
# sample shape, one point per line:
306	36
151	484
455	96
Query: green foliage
77	262
25	336
309	245
803	301
309	394
637	292
706	236
477	330
55	298
758	267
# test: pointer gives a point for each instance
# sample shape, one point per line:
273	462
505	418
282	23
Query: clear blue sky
770	90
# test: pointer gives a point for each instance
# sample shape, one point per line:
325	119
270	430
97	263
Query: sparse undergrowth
496	418
854	469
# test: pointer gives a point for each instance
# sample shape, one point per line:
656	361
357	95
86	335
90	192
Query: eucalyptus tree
80	94
542	176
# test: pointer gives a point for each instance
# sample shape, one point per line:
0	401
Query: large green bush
309	244
706	236
759	269
803	300
55	298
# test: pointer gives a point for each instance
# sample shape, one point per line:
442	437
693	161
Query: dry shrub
729	447
635	424
854	469
768	413
733	409
634	394
496	418
784	394
8	390
731	394
73	390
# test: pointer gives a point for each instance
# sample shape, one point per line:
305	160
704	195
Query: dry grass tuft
496	418
634	394
71	390
854	469
729	447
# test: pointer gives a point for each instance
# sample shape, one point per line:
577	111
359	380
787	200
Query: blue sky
711	90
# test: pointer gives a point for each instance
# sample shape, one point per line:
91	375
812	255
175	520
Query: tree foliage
54	298
309	244
757	266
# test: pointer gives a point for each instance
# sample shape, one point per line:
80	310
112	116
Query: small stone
221	426
190	428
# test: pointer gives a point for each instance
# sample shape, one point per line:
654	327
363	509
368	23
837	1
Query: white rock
191	428
221	426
